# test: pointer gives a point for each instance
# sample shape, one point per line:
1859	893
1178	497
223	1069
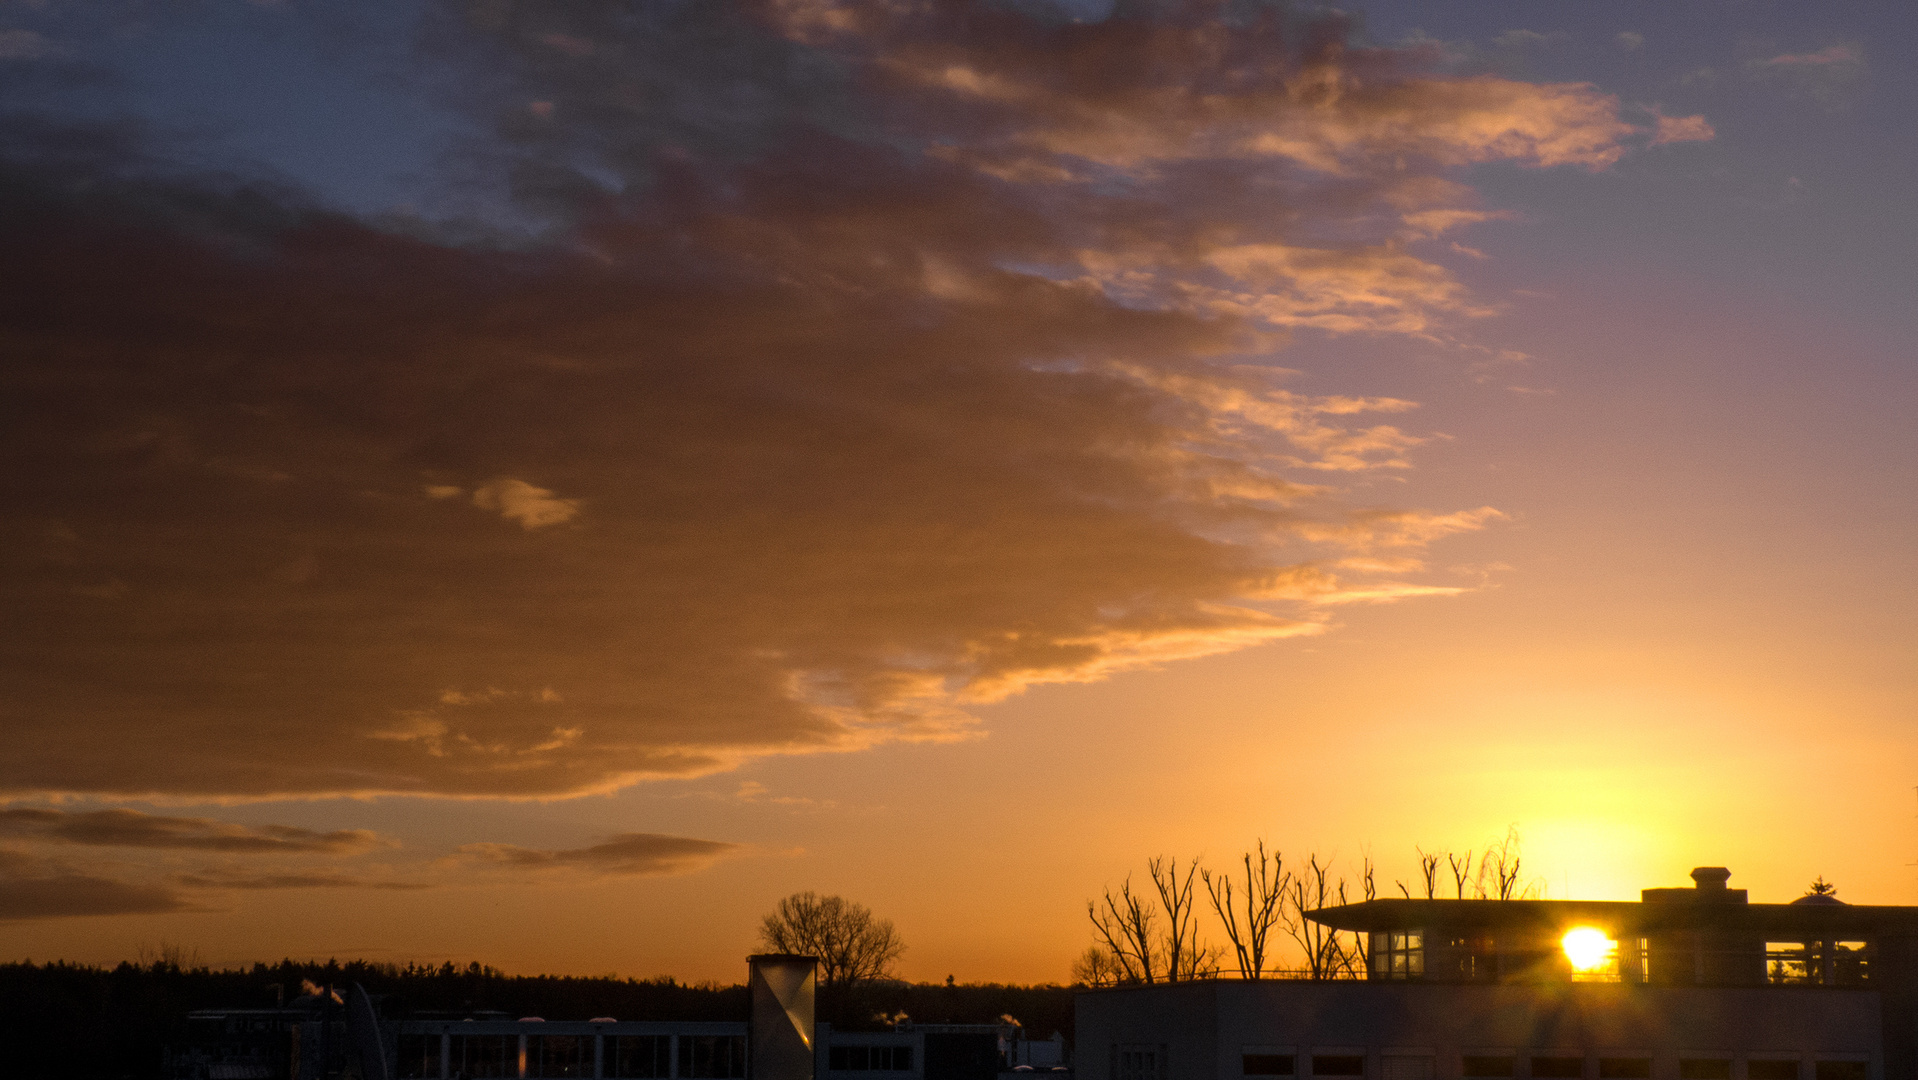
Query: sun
1588	949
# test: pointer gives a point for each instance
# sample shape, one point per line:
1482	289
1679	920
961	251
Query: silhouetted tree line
61	1021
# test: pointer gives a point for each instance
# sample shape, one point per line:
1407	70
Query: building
1686	984
328	1037
640	1050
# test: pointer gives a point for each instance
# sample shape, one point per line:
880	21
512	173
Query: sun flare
1587	948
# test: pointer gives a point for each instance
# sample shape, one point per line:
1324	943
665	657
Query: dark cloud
328	880
872	363
32	889
130	828
627	853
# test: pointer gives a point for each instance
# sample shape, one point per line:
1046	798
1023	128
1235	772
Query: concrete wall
1204	1028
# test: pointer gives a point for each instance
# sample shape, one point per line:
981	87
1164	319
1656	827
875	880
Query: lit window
1849	963
1788	962
1831	963
1398	955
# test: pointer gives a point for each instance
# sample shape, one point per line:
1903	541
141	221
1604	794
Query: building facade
1686	984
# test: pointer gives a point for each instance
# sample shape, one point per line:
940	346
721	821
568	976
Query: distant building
313	1039
1687	984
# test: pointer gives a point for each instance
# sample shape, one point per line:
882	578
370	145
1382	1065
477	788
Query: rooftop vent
1708	887
1712	878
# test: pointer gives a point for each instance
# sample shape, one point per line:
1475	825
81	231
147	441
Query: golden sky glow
944	458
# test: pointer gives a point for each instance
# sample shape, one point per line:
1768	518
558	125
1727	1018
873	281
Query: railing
1709	967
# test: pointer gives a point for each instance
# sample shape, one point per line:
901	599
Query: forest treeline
80	1022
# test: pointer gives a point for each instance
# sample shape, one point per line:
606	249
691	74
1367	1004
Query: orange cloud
625	854
792	427
1673	129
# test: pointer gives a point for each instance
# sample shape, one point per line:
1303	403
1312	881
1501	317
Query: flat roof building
1685	984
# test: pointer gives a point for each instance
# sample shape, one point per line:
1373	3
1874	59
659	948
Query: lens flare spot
1588	949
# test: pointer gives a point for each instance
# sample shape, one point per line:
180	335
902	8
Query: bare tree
1097	966
1126	925
1153	942
1263	896
1428	873
1461	872
1185	956
1500	874
1326	953
1358	955
853	946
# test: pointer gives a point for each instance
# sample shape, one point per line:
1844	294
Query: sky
537	482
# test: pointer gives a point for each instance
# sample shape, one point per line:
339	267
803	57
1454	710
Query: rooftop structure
1708	935
1686	984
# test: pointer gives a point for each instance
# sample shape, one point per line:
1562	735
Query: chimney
1710	878
1708	887
781	1032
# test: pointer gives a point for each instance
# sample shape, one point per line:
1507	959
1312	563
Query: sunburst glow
1588	949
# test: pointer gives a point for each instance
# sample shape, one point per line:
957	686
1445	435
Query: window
869	1059
1267	1064
1850	964
1134	1062
1490	1065
1556	1067
1635	959
1704	1069
1406	1067
639	1057
1624	1068
485	1057
1476	958
712	1057
419	1056
1830	963
558	1056
1841	1070
1338	1064
1398	955
1771	1070
1788	962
